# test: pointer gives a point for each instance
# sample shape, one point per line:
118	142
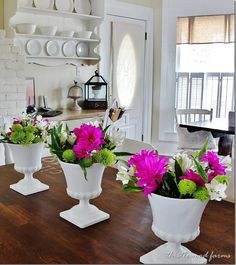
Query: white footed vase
83	214
175	221
27	160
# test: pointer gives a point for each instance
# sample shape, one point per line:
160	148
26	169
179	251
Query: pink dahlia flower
214	164
149	170
191	175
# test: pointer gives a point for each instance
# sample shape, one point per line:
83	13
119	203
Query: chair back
133	146
193	115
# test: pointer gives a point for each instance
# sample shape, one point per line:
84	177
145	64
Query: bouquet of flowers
201	176
25	130
85	145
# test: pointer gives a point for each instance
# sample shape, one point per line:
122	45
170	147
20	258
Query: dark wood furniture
31	230
219	128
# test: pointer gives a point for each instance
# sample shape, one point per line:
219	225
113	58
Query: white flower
226	160
216	190
116	137
184	161
125	173
71	138
63	137
42	125
94	123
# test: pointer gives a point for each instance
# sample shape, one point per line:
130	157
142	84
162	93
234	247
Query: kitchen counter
75	115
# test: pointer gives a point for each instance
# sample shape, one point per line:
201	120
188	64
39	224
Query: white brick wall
12	79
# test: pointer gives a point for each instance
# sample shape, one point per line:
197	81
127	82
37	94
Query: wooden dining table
31	230
219	127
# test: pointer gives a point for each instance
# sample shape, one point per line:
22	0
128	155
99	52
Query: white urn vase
175	221
27	160
83	214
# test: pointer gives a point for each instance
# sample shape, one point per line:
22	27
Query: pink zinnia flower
214	164
16	121
149	170
82	151
89	138
191	175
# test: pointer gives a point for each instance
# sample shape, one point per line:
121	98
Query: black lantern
96	92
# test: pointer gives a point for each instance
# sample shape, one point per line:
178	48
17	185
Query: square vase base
85	220
163	255
28	187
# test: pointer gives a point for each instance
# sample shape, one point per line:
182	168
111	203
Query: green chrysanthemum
69	156
222	179
86	162
17	137
187	186
105	157
29	138
30	129
17	128
37	140
201	194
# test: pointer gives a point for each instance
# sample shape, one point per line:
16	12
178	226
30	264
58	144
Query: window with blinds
205	63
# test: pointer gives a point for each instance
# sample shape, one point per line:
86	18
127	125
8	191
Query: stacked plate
44	4
33	47
52	48
64	5
82	7
82	49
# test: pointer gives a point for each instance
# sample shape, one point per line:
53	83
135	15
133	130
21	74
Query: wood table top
217	125
75	115
31	230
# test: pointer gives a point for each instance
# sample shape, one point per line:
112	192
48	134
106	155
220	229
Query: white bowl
25	28
84	34
67	33
48	30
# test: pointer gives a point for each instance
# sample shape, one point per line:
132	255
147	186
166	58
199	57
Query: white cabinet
57	49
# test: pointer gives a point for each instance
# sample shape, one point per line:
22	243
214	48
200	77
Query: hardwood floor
31	230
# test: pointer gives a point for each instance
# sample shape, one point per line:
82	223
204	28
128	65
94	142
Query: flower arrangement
201	176
25	130
85	145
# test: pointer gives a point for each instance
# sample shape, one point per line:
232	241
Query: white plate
44	4
68	48
82	7
33	47
25	3
64	5
52	48
82	49
19	43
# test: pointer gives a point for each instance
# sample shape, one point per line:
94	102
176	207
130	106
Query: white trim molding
121	9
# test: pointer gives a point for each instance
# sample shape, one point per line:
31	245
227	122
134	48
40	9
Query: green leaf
203	149
178	170
130	188
105	130
200	170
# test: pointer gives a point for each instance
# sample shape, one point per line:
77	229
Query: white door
127	71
